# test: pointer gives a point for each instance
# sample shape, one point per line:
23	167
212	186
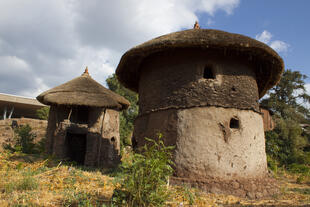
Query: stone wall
7	132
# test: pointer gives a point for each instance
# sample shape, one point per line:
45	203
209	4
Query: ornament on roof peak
196	25
86	71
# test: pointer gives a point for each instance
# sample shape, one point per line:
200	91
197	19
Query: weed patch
143	178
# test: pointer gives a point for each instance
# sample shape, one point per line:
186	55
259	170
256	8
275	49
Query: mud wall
219	142
102	132
210	141
175	79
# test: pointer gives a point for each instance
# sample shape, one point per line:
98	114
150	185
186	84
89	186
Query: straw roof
83	91
269	65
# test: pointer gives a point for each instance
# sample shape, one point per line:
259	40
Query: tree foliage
288	100
43	113
128	116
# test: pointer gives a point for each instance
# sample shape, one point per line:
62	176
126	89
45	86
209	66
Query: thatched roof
83	91
269	65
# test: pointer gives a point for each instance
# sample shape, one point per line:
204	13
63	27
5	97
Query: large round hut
83	123
200	89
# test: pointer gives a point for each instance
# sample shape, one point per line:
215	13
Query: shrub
42	113
299	168
285	143
143	177
272	164
23	140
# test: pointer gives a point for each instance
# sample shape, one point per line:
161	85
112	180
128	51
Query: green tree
43	112
128	116
288	100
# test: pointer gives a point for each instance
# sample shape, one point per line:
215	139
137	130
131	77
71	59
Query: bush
285	143
272	164
143	177
23	140
299	168
42	113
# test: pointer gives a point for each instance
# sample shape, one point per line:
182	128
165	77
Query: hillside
32	180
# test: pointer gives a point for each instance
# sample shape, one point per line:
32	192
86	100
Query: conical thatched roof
269	64
83	91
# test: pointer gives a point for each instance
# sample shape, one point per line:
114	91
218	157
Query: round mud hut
83	123
200	89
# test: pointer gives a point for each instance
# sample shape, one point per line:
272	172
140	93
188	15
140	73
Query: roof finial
196	25
86	71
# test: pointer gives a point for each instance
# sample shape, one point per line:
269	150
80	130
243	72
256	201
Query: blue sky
46	43
286	20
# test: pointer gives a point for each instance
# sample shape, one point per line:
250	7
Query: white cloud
211	6
277	45
40	86
264	37
307	86
53	41
12	64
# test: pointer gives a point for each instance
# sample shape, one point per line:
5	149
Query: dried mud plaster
177	80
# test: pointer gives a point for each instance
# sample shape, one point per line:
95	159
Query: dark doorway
208	73
76	147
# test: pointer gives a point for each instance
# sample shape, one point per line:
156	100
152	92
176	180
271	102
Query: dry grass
34	181
42	183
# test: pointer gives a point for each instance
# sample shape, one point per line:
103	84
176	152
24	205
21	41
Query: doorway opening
76	147
208	72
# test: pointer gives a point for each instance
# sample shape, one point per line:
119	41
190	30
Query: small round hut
83	123
200	89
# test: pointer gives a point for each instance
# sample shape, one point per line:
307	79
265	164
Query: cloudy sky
46	43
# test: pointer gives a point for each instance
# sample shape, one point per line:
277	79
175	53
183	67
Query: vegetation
288	144
43	113
127	117
143	178
29	180
23	140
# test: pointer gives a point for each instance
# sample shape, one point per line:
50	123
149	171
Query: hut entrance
76	147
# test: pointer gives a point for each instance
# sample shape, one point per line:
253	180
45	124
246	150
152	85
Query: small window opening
79	115
113	139
208	73
234	123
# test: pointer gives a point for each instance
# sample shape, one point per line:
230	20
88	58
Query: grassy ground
27	180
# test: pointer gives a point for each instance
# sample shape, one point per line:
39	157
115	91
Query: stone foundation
252	189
